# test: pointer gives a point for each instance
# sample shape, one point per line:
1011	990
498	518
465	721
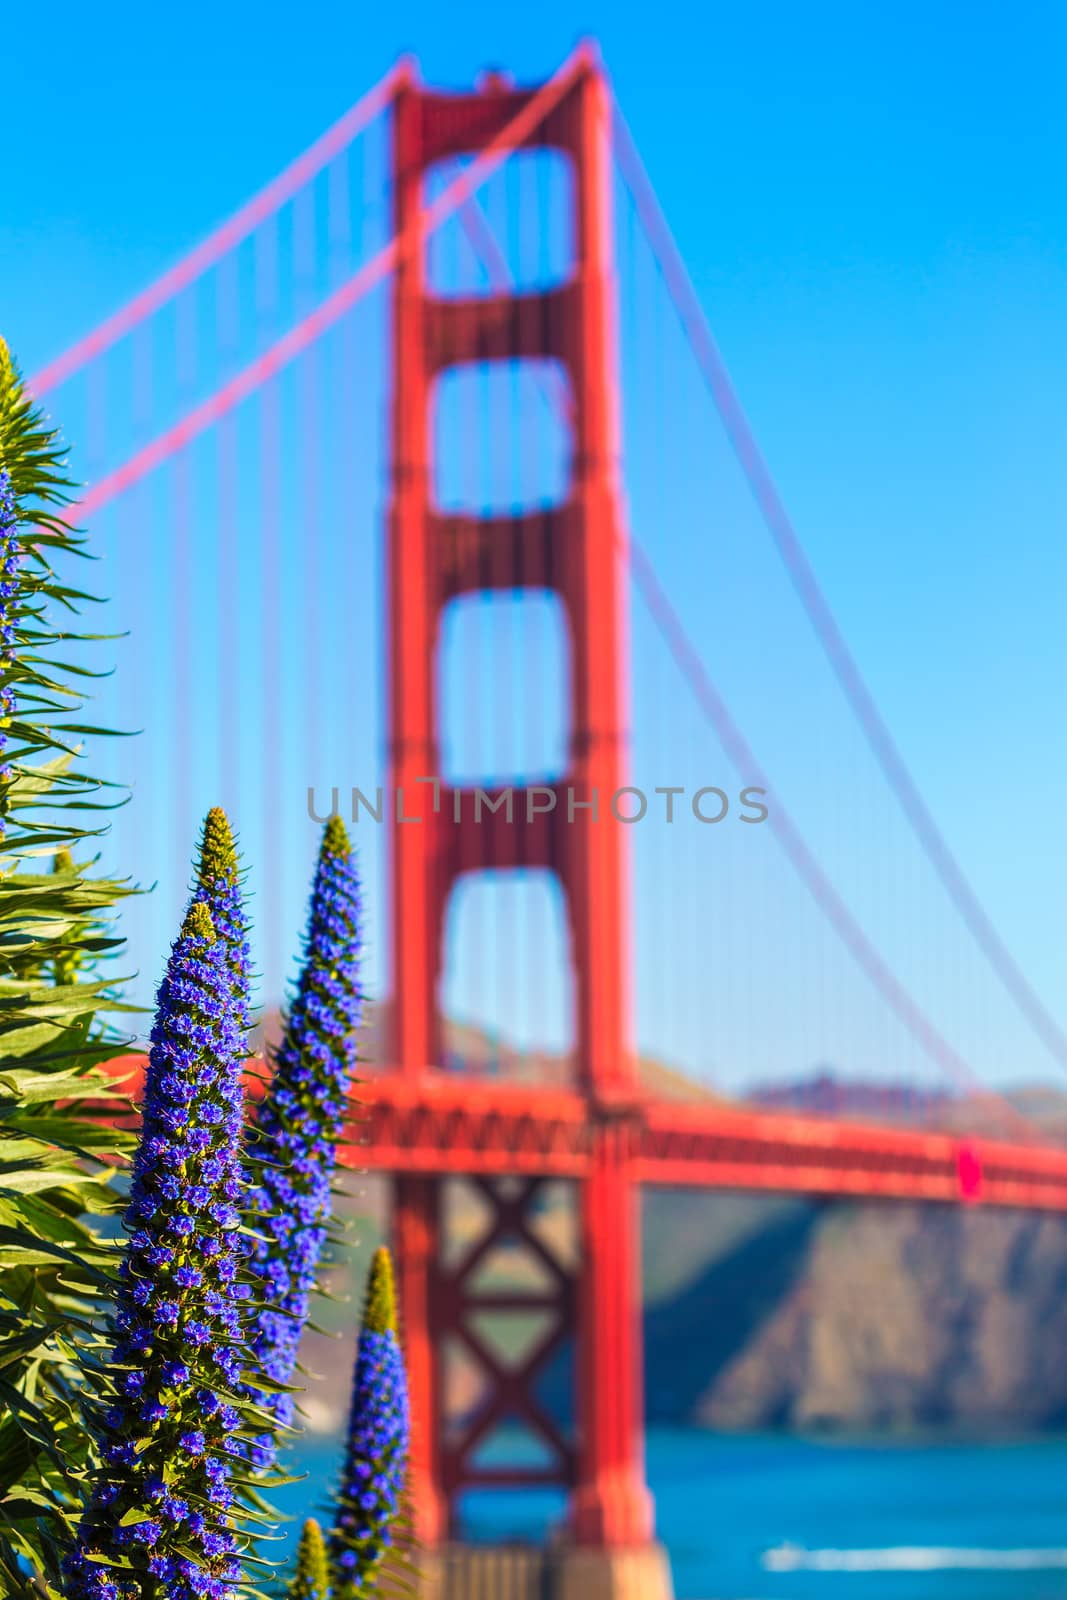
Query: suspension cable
691	314
305	333
230	233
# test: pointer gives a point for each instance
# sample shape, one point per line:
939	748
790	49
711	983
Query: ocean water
762	1517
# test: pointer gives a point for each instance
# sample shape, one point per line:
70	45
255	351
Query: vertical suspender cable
187	709
228	696
271	620
829	634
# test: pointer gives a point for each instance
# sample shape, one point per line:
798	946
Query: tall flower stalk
10	560
218	886
311	1581
160	1521
379	1428
301	1118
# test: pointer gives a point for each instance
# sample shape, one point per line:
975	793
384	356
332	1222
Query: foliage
56	1263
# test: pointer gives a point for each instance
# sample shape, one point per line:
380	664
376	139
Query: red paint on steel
432	557
969	1169
437	1124
494	535
508	1387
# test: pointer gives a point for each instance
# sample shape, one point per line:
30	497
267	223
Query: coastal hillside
767	1313
850	1316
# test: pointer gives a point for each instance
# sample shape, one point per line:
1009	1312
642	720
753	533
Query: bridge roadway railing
445	1123
452	1124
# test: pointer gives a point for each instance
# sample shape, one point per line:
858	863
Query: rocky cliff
766	1313
866	1317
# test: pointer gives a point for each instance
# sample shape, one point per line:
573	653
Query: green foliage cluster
57	1260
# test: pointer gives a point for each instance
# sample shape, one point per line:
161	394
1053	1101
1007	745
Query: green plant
57	1262
311	1580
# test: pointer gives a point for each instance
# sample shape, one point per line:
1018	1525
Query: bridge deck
443	1123
451	1124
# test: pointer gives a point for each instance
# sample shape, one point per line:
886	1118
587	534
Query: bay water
769	1517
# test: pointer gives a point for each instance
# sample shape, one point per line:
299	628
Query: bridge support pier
639	1572
568	1572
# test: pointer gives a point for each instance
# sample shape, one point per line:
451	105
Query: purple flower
164	1442
379	1427
10	560
301	1117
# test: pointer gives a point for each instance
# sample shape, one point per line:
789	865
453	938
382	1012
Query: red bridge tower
576	549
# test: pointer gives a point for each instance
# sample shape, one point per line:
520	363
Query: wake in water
912	1558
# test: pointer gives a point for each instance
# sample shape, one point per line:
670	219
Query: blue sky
870	205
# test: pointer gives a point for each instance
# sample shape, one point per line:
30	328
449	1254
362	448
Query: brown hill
471	1050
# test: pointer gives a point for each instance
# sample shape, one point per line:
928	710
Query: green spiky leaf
58	1251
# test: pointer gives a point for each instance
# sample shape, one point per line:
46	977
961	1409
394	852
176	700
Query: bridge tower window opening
504	689
516	231
506	993
501	443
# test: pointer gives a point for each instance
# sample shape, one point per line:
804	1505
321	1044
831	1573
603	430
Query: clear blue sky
870	202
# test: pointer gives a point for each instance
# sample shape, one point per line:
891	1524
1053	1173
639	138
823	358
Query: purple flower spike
156	1523
379	1431
300	1121
9	564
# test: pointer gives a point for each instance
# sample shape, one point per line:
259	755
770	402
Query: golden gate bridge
504	238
